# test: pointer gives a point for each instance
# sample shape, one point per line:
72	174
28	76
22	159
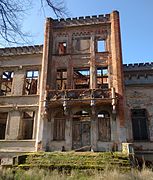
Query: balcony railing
80	94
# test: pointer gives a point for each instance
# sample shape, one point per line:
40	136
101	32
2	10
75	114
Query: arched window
104	130
139	124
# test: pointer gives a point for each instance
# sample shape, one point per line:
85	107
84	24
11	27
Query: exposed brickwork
71	92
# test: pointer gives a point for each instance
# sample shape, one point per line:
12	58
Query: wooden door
80	134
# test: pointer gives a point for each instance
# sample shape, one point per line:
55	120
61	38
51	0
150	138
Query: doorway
81	130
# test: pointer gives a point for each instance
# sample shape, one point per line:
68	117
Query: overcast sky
136	18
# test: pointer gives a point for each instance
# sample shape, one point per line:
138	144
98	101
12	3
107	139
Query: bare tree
58	7
12	13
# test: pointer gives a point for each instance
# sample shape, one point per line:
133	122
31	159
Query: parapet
138	74
78	21
138	66
12	51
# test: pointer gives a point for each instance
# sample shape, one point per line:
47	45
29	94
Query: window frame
29	79
138	120
85	77
62	80
102	76
99	46
62	48
5	81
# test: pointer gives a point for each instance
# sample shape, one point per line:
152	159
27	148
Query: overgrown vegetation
74	166
41	174
72	160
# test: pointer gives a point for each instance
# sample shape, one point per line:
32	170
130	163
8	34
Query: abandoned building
73	91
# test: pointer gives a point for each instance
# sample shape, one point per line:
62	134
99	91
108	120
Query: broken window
81	78
3	121
139	124
100	46
31	82
62	48
61	79
6	83
104	129
102	77
26	126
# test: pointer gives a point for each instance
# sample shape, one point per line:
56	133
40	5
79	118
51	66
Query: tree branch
12	13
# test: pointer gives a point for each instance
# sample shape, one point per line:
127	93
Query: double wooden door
81	134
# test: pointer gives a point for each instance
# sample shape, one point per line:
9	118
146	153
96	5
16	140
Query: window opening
6	83
104	129
139	124
31	82
3	121
61	79
100	46
81	78
62	47
102	77
26	127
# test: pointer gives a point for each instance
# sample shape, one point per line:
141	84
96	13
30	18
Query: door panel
104	130
80	134
85	134
76	135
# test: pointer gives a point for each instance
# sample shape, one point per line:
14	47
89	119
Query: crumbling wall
139	96
15	63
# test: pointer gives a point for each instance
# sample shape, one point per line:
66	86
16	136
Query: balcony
83	96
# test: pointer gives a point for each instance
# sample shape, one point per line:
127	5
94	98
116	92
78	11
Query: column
94	132
117	72
92	64
68	133
18	82
117	63
45	83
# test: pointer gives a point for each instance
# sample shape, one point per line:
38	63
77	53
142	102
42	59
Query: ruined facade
72	92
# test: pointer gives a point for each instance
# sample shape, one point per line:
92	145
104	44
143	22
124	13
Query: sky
136	22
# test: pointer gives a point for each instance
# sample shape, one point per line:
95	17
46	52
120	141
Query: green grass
41	174
74	166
